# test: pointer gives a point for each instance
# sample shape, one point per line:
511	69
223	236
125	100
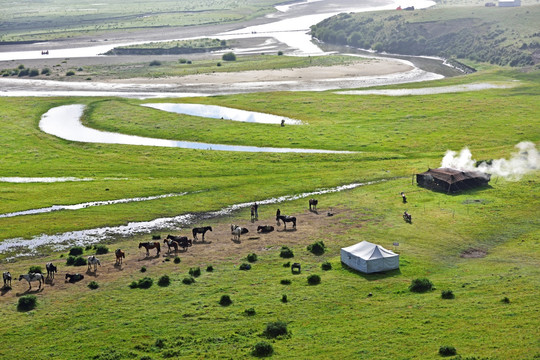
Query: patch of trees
470	38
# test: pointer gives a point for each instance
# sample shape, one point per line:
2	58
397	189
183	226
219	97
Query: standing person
256	209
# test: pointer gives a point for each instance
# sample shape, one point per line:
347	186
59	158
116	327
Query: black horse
285	219
51	270
200	230
6	276
182	241
265	229
407	217
404	197
313	204
73	278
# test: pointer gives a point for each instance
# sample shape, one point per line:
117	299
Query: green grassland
395	137
56	19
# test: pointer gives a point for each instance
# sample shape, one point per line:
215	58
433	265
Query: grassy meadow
395	137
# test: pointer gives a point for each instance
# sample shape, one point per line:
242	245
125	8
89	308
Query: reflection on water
221	112
64	122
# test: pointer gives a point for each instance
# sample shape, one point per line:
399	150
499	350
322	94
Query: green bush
252	258
188	280
326	266
34	72
143	269
230	56
20	67
101	249
24	72
209	268
245	266
421	285
143	283
262	349
70	73
133	285
76	261
218	64
284	298
177	260
155	63
505	300
225	300
280	53
182	61
447	294
195	272
275	329
93	285
76	250
317	248
285	282
314	279
35	269
45	71
249	312
164	281
27	303
447	351
286	253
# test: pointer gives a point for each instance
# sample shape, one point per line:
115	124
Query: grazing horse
171	244
51	270
33	277
285	219
73	278
150	245
313	203
7	278
200	230
265	229
119	256
92	260
182	241
403	197
407	217
237	231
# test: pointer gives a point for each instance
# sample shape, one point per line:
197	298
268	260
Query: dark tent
451	180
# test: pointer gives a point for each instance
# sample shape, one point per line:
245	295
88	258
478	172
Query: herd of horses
173	243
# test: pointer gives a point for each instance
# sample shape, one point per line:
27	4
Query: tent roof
369	251
452	176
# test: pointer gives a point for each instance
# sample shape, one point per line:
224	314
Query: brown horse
171	244
150	245
182	241
119	256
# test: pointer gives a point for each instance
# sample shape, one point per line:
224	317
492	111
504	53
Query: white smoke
525	160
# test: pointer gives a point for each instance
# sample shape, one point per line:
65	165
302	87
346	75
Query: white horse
7	278
236	231
92	260
33	277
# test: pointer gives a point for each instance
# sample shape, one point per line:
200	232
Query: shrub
225	300
35	269
155	63
143	269
209	268
80	69
76	250
421	285
75	261
188	280
230	56
280	53
252	258
182	61
287	264
284	298
27	303
314	279
317	248
275	329
70	73
93	285
189	62
285	282
167	259
218	64
447	350
262	349
447	294
195	272
34	72
133	285
20	67
505	300
143	283
326	266
24	72
101	249
245	266
177	260
45	71
164	281
88	247
286	253
249	312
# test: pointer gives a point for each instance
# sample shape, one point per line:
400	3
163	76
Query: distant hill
502	36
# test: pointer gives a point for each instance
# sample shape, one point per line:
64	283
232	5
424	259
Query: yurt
369	258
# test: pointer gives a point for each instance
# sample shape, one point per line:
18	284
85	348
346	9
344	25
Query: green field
395	136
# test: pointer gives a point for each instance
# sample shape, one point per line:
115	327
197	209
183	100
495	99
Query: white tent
369	258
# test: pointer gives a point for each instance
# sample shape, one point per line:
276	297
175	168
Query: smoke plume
525	160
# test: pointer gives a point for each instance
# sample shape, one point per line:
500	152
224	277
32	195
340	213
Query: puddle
225	113
64	122
86	205
29	247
